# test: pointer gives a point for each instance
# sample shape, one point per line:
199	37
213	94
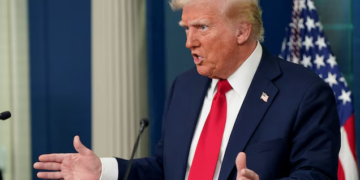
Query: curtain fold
119	82
14	90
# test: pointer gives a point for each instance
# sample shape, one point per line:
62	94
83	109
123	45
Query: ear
243	32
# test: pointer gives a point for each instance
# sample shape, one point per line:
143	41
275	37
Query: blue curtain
156	67
60	75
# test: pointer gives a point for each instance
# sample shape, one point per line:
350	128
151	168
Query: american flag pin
264	97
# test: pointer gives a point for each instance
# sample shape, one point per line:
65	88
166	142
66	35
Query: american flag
264	97
306	44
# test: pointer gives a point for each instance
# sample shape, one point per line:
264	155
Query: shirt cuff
109	169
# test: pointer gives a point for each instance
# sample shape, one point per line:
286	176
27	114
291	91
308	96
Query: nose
191	40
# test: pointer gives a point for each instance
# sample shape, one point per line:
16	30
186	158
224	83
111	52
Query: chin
204	71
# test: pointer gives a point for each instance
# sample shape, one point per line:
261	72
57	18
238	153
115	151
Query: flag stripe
347	158
341	175
350	130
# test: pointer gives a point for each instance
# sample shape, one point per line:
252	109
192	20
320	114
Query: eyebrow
195	22
182	24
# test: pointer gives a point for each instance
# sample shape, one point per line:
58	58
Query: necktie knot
224	86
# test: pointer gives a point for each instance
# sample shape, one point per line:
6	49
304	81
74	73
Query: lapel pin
264	97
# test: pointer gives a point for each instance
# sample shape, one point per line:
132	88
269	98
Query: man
241	114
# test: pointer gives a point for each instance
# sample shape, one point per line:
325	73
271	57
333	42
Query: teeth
198	57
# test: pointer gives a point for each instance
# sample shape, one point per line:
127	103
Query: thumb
241	161
80	148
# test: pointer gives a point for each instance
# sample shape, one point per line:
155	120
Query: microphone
5	115
143	124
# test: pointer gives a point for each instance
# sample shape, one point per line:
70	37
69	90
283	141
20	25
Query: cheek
218	47
222	50
222	42
215	50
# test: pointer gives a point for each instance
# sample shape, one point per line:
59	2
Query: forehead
201	10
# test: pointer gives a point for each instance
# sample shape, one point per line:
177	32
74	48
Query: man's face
211	39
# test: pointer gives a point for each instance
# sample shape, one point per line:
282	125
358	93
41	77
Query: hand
243	172
84	165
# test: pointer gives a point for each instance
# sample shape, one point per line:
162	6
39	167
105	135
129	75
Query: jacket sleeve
150	168
316	136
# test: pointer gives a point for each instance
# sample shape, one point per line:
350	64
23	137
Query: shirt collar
241	79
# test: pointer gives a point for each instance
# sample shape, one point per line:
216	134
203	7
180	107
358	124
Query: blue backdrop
156	67
60	75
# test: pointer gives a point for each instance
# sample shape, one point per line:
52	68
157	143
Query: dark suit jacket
295	135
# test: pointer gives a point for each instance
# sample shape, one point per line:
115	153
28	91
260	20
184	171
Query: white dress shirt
240	81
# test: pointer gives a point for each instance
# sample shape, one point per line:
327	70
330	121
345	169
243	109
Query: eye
203	27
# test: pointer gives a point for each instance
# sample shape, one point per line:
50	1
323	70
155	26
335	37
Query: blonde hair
243	10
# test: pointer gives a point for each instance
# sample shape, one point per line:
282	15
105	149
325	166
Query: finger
241	161
52	157
248	174
240	164
49	175
80	148
48	166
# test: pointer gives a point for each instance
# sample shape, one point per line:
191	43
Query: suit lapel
192	104
252	110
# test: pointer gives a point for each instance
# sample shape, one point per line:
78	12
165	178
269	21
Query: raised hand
244	173
84	165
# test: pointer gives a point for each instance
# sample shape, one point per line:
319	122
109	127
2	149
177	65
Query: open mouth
197	59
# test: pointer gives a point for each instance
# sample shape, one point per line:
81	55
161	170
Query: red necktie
208	148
